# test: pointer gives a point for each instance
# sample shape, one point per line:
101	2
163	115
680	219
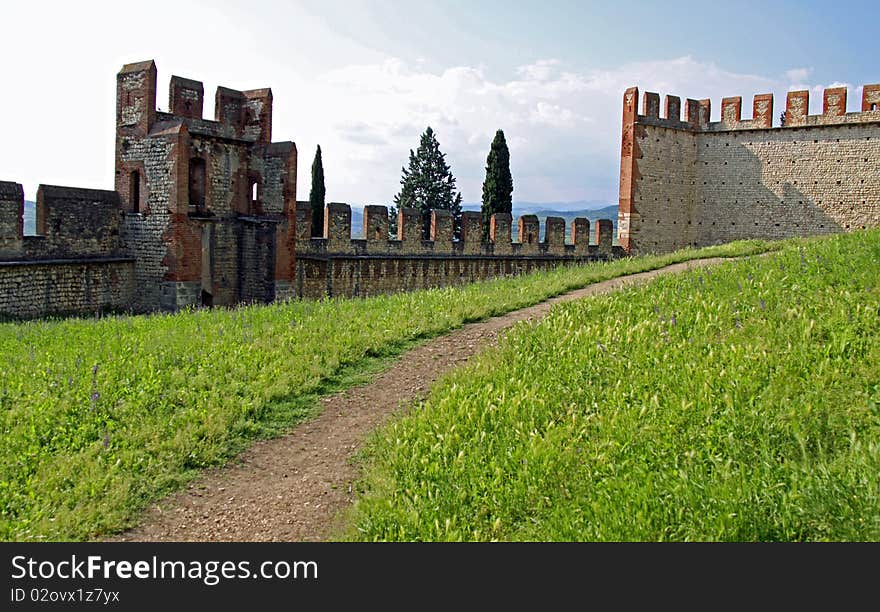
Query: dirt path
293	487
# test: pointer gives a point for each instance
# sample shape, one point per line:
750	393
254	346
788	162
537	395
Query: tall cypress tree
428	184
317	195
498	186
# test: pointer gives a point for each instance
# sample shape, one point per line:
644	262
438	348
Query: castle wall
787	182
664	195
337	265
691	182
77	265
63	287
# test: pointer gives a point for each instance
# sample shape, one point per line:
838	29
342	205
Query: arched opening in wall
134	184
197	181
207	299
255	194
874	106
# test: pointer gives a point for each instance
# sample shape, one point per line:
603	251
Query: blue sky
364	79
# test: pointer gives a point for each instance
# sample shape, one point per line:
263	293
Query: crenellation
797	107
337	226
186	98
731	111
700	184
604	236
554	235
257	120
651	104
871	99
500	226
441	231
472	232
673	108
229	106
528	233
704	112
409	229
580	235
834	102
692	114
375	223
11	218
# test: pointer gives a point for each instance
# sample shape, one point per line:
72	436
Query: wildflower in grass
763	304
672	320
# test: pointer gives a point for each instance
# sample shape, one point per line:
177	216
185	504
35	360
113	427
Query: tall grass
101	416
740	402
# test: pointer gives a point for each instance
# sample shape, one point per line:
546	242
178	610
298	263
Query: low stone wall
30	289
352	276
337	265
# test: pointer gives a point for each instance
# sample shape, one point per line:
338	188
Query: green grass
102	416
740	402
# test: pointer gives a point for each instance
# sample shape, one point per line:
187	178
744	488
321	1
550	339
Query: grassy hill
739	403
99	417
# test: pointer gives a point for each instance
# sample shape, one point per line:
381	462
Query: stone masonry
691	182
338	265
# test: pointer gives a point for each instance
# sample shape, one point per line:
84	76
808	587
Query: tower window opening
255	193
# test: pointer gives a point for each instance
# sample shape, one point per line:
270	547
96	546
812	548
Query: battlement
697	113
244	115
690	181
71	223
337	237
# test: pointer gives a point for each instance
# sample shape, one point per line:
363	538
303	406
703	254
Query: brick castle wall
687	181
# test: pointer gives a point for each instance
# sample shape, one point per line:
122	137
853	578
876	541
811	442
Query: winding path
292	488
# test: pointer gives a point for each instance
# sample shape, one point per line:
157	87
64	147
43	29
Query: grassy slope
737	403
101	416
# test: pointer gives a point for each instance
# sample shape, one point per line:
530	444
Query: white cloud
798	75
562	127
540	70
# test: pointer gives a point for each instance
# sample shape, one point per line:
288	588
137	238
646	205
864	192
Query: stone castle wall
338	265
692	182
76	264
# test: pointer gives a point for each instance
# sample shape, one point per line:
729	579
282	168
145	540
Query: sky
363	79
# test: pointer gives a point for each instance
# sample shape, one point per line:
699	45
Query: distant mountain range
567	210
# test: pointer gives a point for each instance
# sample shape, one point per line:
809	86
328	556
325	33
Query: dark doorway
207	299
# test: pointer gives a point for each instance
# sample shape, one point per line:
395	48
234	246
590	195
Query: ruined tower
208	206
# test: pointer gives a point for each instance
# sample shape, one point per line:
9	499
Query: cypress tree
428	184
498	186
317	195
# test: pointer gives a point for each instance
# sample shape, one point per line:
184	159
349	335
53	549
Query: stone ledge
67	261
